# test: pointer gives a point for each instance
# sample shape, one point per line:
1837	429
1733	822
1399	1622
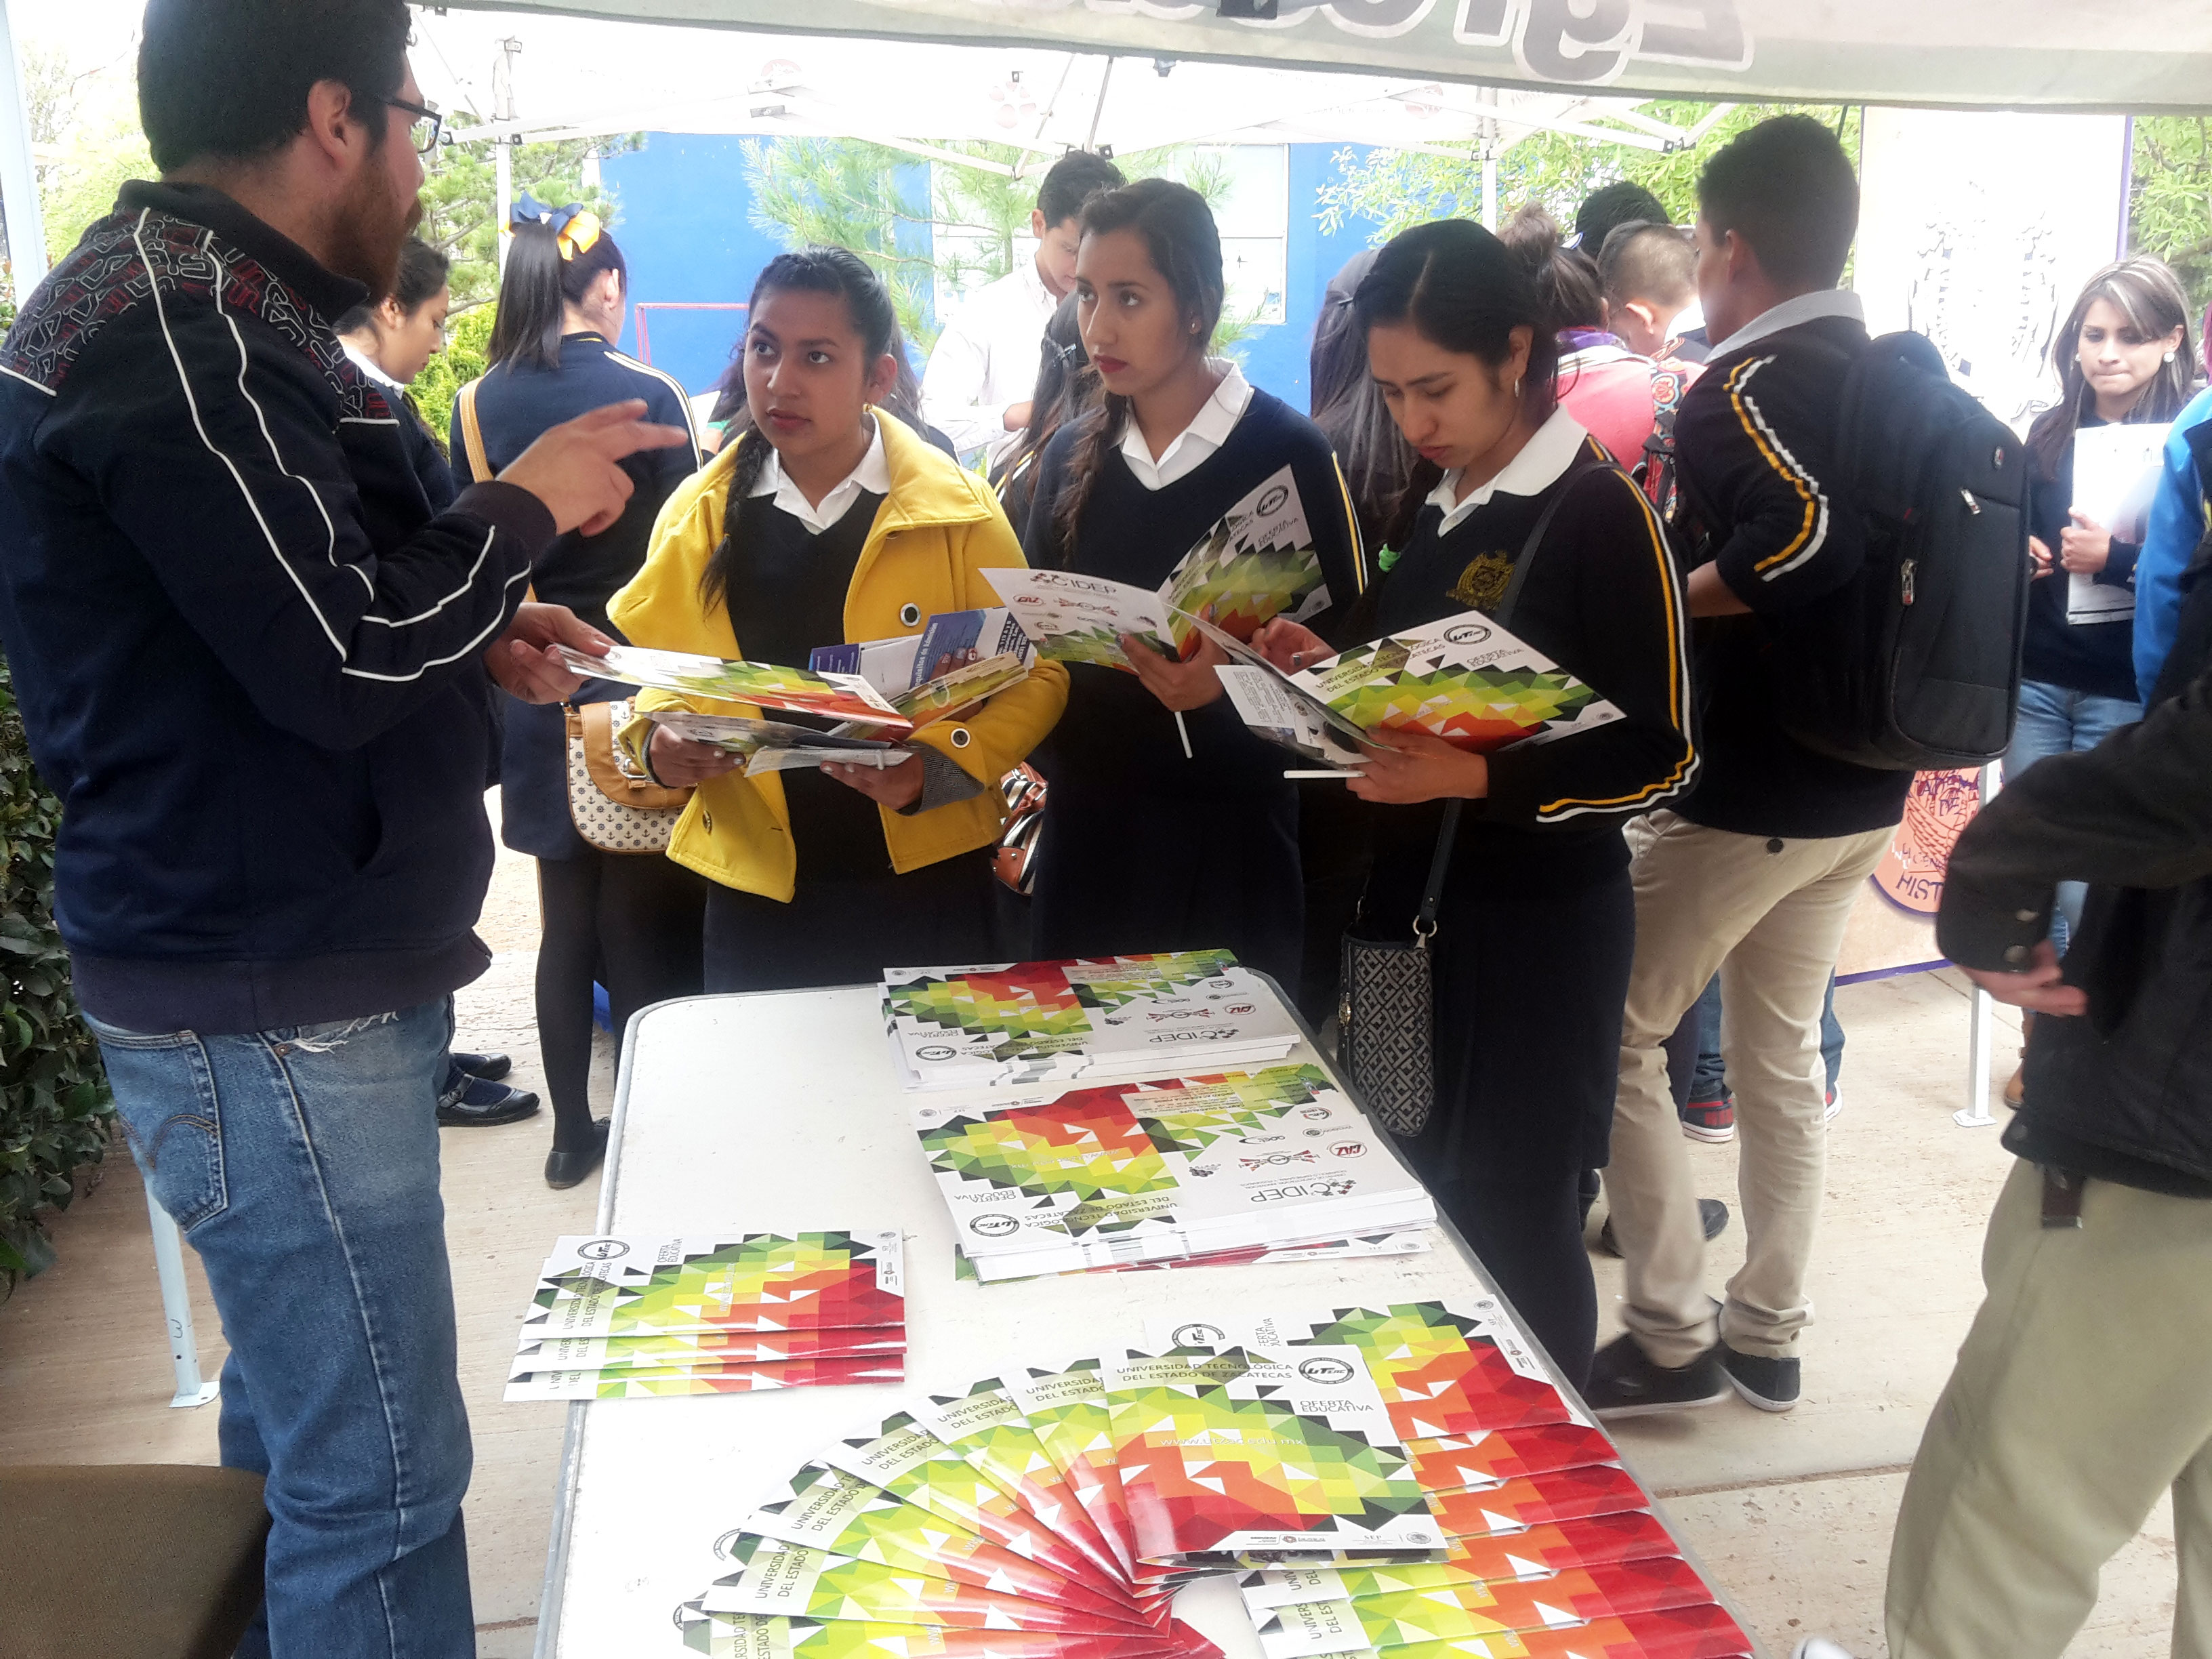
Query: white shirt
874	475
366	365
1208	430
1549	451
987	360
1804	308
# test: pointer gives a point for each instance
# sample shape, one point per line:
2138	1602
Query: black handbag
1386	1040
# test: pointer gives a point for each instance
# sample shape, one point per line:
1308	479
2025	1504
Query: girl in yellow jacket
828	522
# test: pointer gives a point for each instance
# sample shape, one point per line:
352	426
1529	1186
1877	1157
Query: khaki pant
1768	915
2083	1391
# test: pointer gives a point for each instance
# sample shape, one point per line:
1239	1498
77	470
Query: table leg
1978	1024
177	1305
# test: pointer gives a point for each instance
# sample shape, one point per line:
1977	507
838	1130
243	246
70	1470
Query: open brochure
958	660
776	745
1256	564
728	679
1463	678
2116	474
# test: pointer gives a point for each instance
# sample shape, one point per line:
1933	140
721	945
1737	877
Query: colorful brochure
1257	562
776	745
727	679
985	1424
1543	1553
683	1350
1443	1368
730	1377
1532	1500
1492	1458
1290	1451
753	1636
637	1285
1698	1632
949	640
1146	1171
776	1578
1009	1025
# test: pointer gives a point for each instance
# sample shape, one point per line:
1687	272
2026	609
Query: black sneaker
1623	1383
1711	1213
1769	1384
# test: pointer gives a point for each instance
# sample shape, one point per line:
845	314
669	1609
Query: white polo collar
1804	308
1550	451
1208	430
872	476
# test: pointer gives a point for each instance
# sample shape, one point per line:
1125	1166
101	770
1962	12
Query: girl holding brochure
828	523
1516	513
1167	825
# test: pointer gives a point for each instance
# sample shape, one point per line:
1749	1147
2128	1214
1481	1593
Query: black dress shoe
1712	1216
564	1170
489	1067
470	1102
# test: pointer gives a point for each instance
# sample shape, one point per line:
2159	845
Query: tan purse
613	805
472	434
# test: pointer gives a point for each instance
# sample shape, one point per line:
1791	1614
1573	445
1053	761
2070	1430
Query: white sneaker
1835	1105
1818	1647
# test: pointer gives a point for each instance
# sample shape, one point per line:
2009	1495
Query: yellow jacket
937	528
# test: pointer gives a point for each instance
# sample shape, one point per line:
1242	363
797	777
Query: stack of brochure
1204	1167
1013	1024
1053	1511
764	685
634	1316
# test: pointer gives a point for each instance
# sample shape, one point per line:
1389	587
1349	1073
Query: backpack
1655	474
1914	664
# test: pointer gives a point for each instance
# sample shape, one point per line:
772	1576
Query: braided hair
1185	248
811	271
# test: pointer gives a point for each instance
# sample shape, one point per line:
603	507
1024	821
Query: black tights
632	922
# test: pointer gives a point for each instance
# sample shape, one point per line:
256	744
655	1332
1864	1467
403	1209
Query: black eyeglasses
425	126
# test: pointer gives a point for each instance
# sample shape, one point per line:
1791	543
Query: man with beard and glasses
256	667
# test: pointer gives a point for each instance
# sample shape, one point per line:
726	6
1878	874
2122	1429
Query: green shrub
55	1110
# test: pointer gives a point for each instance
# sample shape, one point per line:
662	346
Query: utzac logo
1272	503
1325	1372
603	1249
935	1051
993	1226
1199	1336
1465	634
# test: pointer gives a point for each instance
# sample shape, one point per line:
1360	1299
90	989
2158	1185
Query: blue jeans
1708	1080
2056	721
302	1165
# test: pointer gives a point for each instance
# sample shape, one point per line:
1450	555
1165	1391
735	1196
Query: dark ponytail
811	271
1566	280
1185	248
1464	290
537	283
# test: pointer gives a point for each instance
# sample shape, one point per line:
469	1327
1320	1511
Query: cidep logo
995	1225
935	1051
1199	1336
1272	503
602	1249
1325	1371
1465	634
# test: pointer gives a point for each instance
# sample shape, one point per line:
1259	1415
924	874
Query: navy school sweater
1116	738
246	650
2098	658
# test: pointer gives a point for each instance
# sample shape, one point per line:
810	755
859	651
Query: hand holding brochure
958	660
2116	473
1257	562
765	685
1463	678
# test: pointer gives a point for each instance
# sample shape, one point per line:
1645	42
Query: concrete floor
1792	1514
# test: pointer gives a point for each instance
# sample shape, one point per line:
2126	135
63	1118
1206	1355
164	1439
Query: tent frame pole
19	172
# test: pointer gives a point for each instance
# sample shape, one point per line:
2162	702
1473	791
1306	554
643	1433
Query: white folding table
781	1112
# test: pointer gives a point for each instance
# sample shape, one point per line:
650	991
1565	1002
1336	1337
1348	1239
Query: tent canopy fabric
2131	55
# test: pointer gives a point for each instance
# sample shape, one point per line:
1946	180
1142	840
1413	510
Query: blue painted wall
683	227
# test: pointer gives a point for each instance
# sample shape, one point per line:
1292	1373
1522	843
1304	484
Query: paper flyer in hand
949	640
827	1509
639	1285
1441	1369
729	679
2117	470
1257	562
1128	1172
1007	1024
729	1376
1228	1452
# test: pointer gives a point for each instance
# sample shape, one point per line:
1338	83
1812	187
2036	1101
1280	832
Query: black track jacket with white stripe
1754	442
246	651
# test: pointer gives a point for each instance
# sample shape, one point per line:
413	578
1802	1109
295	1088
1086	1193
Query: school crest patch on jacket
1482	584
